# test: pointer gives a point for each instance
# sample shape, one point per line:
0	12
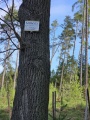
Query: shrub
73	94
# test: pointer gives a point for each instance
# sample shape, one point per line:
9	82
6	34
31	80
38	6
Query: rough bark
32	91
86	63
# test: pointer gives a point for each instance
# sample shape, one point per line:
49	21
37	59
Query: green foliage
68	32
71	101
73	94
70	71
71	105
13	14
53	29
4	114
54	77
89	74
3	98
75	4
51	89
7	93
62	114
78	17
54	24
8	88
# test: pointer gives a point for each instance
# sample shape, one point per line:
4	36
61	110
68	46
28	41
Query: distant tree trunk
32	90
74	50
53	53
75	39
81	58
5	62
56	83
3	75
8	98
16	70
82	44
54	38
61	80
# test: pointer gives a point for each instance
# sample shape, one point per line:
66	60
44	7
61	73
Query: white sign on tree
31	26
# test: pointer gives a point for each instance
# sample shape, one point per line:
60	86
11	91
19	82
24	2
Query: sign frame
31	25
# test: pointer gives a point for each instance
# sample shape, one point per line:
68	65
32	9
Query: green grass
4	114
73	114
74	109
73	97
70	113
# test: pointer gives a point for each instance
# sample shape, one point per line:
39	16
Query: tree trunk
61	80
8	98
75	40
3	75
16	71
5	63
82	44
32	90
86	63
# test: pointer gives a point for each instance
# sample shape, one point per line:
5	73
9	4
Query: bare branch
6	23
1	59
8	50
8	12
13	29
5	11
54	54
11	40
6	4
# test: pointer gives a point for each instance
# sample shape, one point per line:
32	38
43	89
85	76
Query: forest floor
67	114
73	106
4	114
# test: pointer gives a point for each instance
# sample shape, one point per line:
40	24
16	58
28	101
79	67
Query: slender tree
16	70
54	38
67	37
5	62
